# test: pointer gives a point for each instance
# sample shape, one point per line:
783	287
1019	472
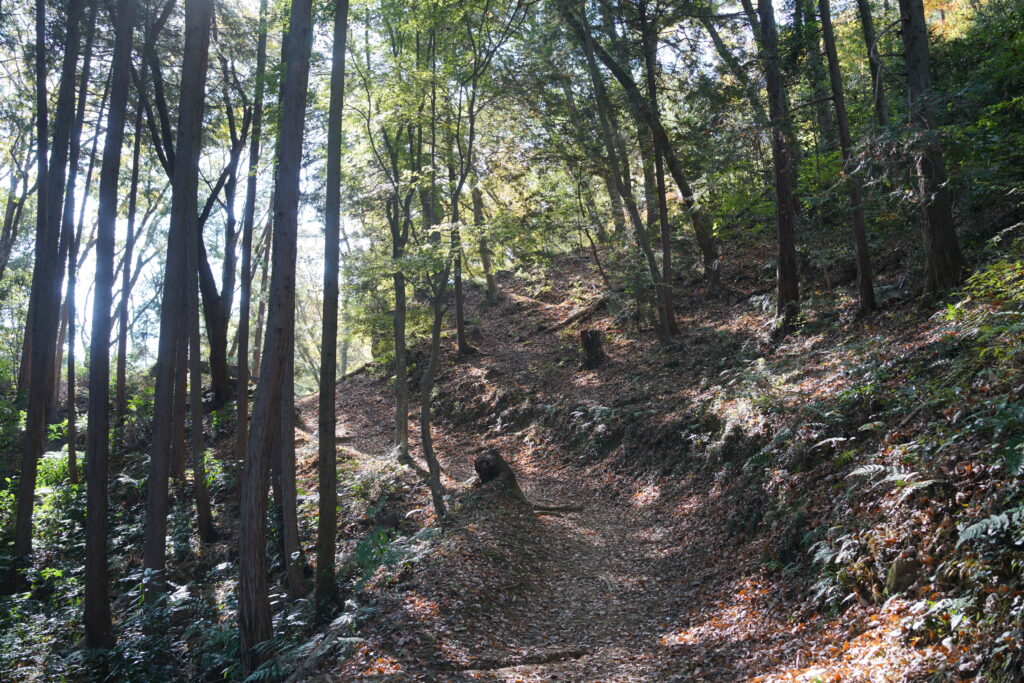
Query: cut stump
593	348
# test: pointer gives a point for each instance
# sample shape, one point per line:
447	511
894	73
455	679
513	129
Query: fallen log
580	314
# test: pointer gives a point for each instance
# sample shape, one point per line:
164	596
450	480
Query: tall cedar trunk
180	407
68	229
788	295
248	223
184	217
216	331
72	410
944	264
401	366
865	284
204	521
650	47
98	632
39	277
230	261
58	360
47	274
294	561
878	99
261	309
645	147
579	24
121	391
219	306
270	399
327	469
74	239
485	248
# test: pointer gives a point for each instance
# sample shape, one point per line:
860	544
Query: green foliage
1010	523
384	548
52	470
12	423
8	502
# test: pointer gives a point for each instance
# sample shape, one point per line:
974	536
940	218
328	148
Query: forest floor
657	577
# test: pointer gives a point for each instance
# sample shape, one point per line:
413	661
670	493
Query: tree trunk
216	331
401	369
71	408
294	561
426	388
74	238
878	99
865	284
650	47
177	472
58	360
184	217
204	520
461	343
47	275
327	518
788	294
271	399
944	264
248	223
98	631
261	309
593	349
485	249
121	392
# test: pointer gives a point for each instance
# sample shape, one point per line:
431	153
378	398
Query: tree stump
593	348
492	467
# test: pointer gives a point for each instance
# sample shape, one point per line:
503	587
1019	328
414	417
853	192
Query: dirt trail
649	582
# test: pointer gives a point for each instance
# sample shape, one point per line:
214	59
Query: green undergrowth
906	479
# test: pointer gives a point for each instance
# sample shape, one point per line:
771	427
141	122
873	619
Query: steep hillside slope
748	511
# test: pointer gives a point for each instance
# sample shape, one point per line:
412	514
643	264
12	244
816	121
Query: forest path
646	587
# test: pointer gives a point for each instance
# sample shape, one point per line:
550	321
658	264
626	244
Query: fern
867	471
992	525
